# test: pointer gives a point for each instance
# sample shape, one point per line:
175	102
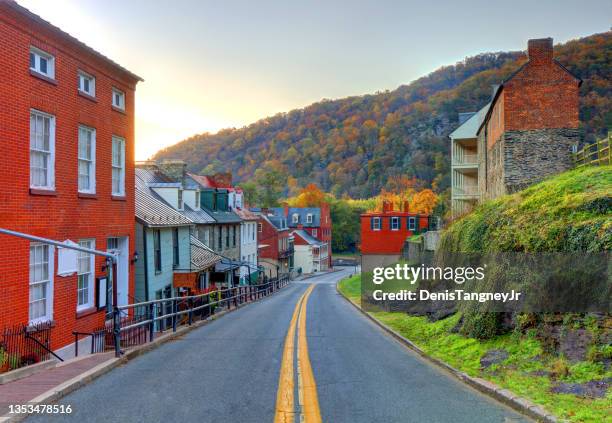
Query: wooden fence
596	154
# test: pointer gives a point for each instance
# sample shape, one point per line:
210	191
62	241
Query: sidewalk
23	391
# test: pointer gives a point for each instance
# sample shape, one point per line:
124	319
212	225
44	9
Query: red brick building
66	173
384	233
274	245
530	126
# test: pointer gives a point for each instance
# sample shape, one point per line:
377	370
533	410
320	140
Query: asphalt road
228	371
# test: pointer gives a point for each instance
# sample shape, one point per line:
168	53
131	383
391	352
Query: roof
469	128
197	216
246	214
302	212
203	180
151	210
33	16
202	257
223	216
307	237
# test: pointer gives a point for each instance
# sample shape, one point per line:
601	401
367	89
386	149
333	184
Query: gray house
171	262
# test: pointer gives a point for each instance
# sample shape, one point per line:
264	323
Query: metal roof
202	257
307	237
469	129
302	213
197	216
151	211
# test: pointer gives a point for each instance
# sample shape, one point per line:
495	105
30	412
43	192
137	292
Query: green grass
525	355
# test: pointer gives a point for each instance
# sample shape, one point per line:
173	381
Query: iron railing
25	344
140	323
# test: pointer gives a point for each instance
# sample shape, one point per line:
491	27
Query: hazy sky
208	65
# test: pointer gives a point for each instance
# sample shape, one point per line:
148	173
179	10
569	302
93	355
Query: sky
209	65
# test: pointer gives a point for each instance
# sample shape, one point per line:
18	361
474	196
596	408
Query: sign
67	259
101	290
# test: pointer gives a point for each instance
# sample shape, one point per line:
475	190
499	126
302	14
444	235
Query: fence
140	322
22	345
598	153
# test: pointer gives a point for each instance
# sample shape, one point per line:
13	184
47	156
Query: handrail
28	336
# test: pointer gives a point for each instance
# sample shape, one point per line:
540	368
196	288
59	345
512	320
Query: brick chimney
222	179
387	206
286	210
540	50
174	169
406	206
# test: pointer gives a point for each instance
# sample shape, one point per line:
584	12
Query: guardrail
467	190
466	159
598	153
138	323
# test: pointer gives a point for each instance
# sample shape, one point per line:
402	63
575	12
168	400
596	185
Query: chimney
222	179
540	50
286	210
387	206
174	169
406	206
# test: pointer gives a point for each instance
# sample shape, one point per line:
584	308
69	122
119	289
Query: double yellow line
307	387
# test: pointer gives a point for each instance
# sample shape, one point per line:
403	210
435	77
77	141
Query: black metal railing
140	323
24	344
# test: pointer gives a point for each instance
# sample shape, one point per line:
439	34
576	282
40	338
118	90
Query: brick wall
63	215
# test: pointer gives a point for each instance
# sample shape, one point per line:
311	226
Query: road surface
271	362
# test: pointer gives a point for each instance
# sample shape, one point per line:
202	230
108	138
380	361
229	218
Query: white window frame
50	175
295	218
48	281
121	104
315	233
411	223
376	223
38	55
91	161
82	76
395	223
309	218
120	166
86	243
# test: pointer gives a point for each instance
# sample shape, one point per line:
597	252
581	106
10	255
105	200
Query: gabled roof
202	257
203	180
302	212
153	211
246	214
307	237
34	17
469	128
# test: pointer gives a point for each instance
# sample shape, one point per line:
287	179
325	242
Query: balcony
465	159
466	191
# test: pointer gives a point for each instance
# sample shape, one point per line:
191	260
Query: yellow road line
285	408
307	386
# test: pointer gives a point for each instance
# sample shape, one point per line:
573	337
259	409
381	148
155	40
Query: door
120	247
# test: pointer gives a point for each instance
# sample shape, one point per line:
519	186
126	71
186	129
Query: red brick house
384	233
66	173
530	126
274	245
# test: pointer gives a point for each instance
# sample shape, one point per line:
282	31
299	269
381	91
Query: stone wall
530	156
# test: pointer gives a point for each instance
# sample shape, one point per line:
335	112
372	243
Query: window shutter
372	223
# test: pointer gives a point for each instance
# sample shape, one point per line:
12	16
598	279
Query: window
395	224
309	218
314	233
118	178
227	237
87	159
253	231
85	276
87	84
180	199
259	227
175	247
411	223
42	150
42	63
233	236
112	244
41	282
118	99
197	200
295	218
220	238
375	223
157	250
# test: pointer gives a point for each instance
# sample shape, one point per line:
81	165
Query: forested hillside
359	145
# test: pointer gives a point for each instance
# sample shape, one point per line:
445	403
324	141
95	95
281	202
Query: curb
520	404
64	388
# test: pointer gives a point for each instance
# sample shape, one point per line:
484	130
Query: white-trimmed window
411	223
314	233
118	177
118	99
375	222
87	84
42	62
85	276
87	159
395	223
42	150
309	218
295	218
41	283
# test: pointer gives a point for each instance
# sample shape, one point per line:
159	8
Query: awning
226	266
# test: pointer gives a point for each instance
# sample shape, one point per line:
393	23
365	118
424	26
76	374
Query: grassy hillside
358	145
